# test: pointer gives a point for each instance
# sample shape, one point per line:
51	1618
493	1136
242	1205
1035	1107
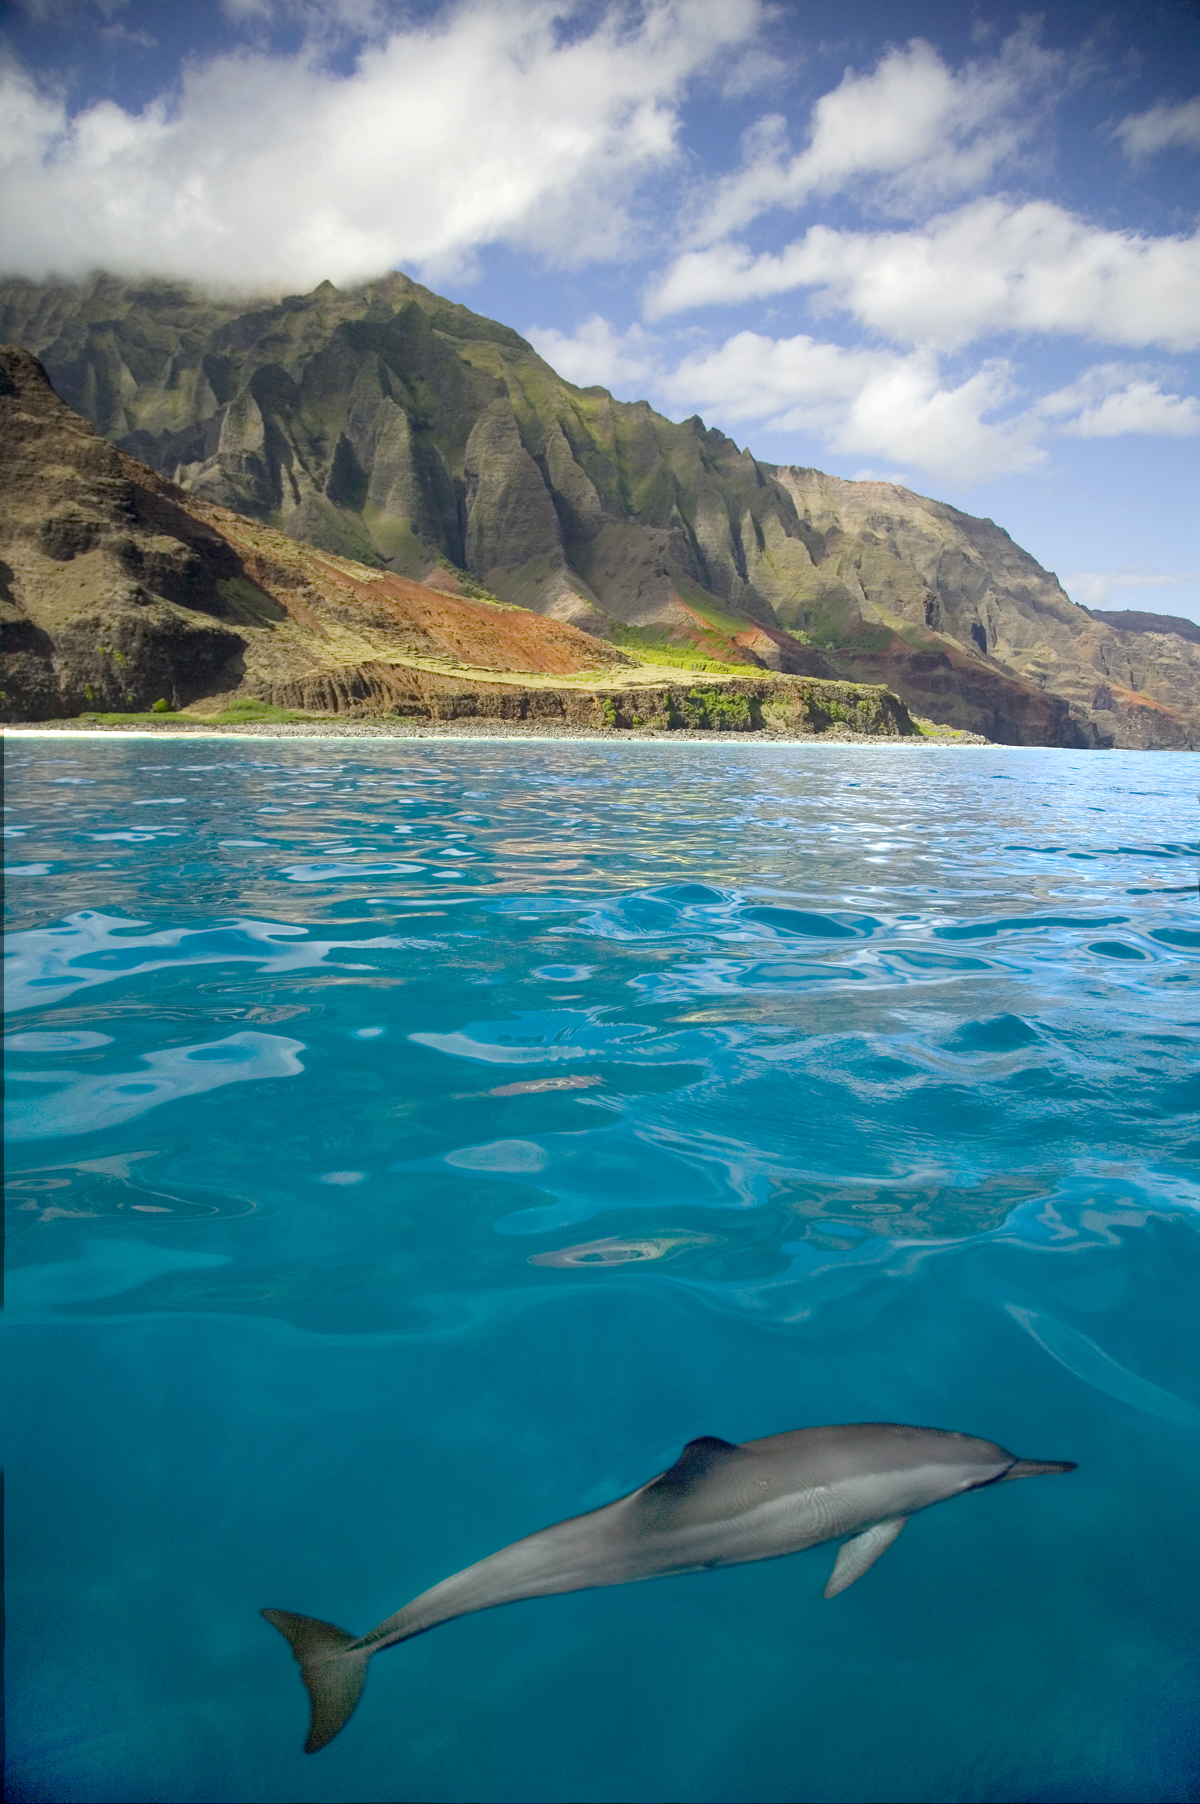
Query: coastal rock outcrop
388	425
109	589
122	591
736	705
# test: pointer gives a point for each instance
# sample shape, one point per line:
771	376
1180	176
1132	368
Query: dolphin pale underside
718	1505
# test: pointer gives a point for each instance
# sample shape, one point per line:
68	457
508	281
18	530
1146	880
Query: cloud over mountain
489	123
866	401
870	400
925	241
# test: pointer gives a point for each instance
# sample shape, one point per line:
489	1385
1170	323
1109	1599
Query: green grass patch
250	711
678	657
239	713
929	729
149	717
709	608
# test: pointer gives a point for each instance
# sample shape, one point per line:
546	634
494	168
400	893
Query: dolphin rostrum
719	1505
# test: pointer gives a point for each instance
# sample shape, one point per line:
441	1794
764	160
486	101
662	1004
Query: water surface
414	1143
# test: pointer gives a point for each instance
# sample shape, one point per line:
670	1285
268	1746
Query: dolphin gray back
721	1504
849	1450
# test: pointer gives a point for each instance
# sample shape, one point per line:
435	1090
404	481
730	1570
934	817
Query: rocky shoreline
481	729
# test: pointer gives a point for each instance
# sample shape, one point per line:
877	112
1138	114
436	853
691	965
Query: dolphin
720	1504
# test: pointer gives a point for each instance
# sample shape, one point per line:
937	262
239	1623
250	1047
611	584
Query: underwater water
414	1143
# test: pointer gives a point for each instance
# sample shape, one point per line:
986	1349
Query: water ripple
86	1105
412	1143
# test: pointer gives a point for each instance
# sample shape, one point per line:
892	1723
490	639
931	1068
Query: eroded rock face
117	589
741	705
980	634
511	517
121	589
110	594
389	425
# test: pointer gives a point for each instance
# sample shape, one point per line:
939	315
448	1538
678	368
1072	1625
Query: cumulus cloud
1163	127
914	129
488	123
988	267
906	135
865	401
597	354
871	401
1112	398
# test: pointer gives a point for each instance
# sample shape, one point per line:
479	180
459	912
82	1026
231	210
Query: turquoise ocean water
414	1143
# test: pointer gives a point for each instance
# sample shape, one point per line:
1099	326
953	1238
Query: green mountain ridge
390	425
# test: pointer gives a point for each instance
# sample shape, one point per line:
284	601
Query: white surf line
617	737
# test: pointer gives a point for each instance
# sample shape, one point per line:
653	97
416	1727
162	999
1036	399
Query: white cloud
912	128
1164	127
898	478
595	353
988	267
489	123
872	401
754	69
1113	398
865	401
1094	589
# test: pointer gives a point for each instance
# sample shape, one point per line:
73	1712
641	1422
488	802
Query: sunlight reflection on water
412	1144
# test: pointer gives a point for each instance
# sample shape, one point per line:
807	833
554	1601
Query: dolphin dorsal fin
692	1491
698	1459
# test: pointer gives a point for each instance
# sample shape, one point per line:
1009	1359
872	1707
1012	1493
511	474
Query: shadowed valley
414	447
123	592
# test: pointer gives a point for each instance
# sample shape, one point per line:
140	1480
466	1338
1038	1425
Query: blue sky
955	246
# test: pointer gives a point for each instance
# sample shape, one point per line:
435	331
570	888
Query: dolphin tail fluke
333	1677
1037	1468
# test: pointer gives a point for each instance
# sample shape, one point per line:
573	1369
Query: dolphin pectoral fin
334	1679
862	1552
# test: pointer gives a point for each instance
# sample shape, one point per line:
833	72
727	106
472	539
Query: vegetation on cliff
393	427
124	594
